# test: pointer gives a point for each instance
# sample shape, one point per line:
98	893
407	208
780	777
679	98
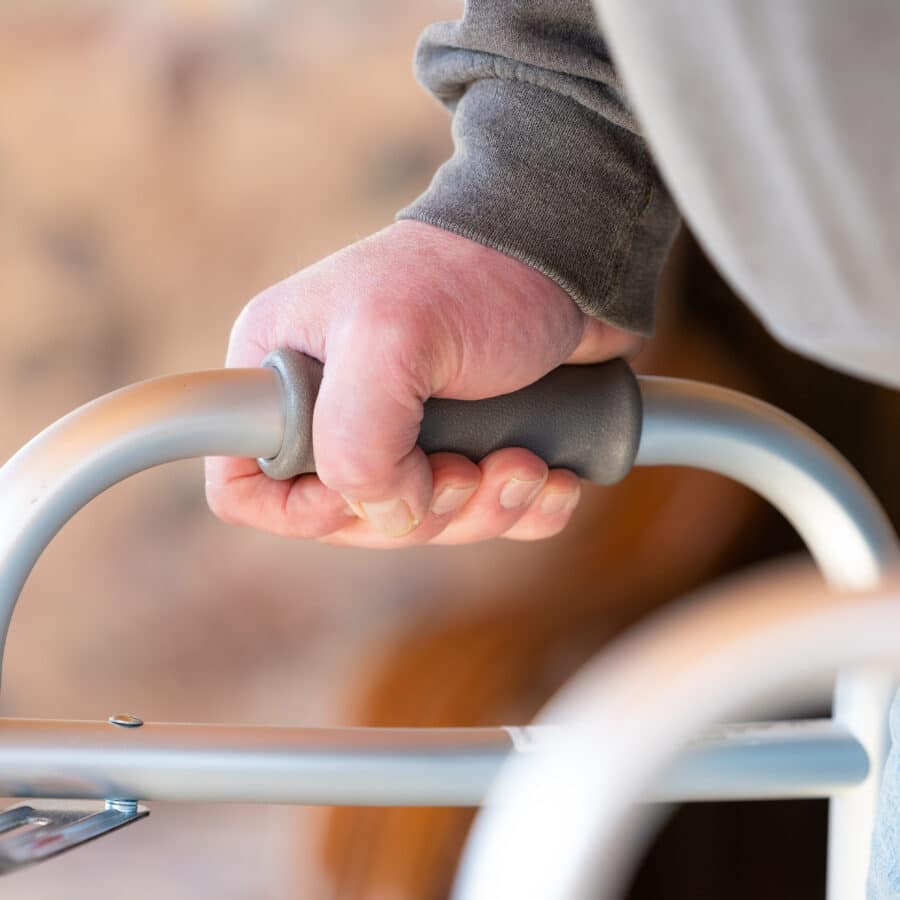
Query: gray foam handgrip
583	418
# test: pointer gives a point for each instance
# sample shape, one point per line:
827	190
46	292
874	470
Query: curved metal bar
232	412
852	541
568	824
238	412
687	423
842	524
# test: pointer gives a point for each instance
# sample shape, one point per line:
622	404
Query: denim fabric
884	872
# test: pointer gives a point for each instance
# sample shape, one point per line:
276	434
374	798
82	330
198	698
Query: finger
238	493
601	341
456	479
365	427
510	480
273	320
551	510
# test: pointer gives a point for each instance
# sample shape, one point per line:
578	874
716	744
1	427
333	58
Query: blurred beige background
159	164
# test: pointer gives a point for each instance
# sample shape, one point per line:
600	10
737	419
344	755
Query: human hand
411	312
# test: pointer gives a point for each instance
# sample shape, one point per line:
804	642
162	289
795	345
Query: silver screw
125	720
128	807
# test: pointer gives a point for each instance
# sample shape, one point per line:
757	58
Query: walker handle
583	418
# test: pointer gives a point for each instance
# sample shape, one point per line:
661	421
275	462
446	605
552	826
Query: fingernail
518	492
451	498
391	517
559	502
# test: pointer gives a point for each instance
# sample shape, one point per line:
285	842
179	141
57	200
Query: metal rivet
125	720
128	807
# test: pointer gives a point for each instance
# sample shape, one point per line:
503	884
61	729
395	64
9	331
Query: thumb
601	341
365	427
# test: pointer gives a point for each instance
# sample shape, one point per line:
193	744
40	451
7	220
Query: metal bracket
30	835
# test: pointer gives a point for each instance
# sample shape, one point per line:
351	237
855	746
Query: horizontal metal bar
240	764
386	767
766	761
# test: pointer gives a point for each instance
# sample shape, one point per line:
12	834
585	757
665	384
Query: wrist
500	274
458	252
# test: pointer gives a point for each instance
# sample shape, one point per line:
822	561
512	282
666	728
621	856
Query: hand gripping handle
583	418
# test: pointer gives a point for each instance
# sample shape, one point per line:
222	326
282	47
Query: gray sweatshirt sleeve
549	166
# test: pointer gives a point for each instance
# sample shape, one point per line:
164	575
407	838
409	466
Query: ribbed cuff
543	179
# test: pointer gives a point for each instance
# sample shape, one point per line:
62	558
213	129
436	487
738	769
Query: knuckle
259	323
343	467
249	319
398	345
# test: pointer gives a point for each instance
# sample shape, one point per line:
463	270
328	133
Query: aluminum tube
234	764
567	823
385	767
766	761
236	412
707	427
844	528
239	412
852	541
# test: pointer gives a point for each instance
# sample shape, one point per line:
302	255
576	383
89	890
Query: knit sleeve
549	165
